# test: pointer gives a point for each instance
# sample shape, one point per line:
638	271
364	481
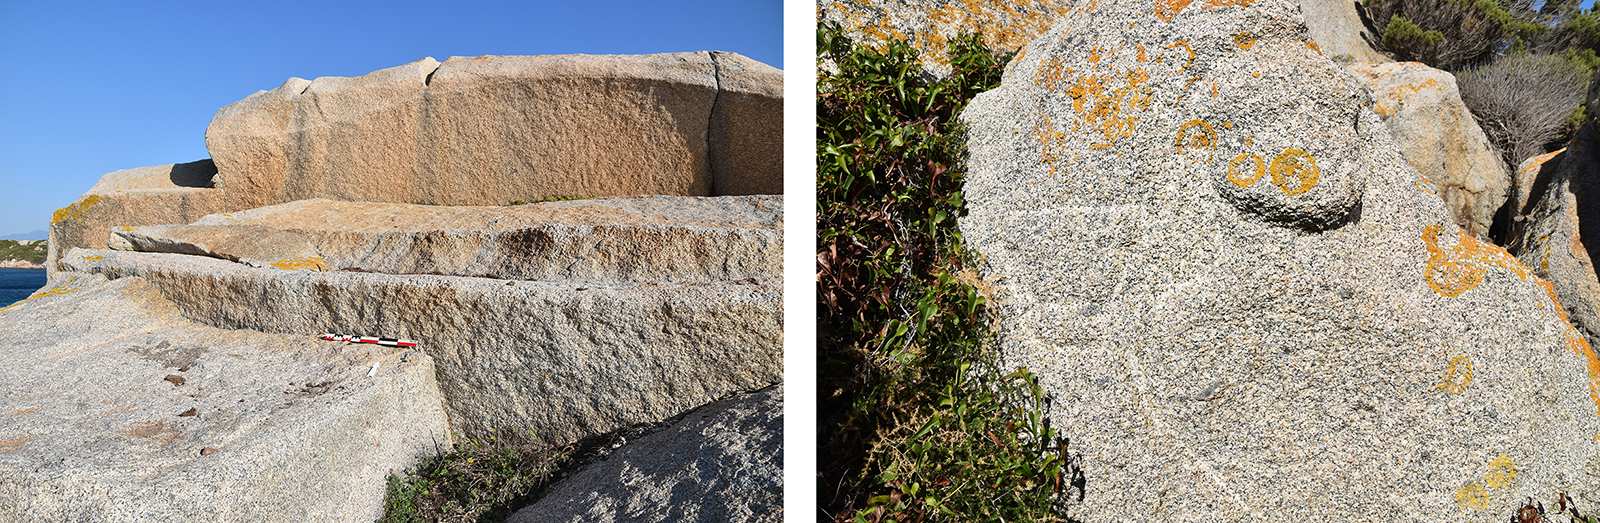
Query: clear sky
95	87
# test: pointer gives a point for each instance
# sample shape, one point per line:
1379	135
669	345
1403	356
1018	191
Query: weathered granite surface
115	408
659	238
565	359
1340	32
1245	302
488	130
1438	136
173	193
720	463
928	25
1564	200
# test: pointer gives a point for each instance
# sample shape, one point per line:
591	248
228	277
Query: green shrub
1450	34
919	421
478	481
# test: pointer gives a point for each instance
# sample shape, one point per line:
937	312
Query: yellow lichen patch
1096	53
1241	179
1455	270
1502	471
1050	141
1105	106
1186	47
1391	100
1472	497
312	263
1004	24
1294	171
1050	75
1166	9
76	210
94	258
1217	4
1142	57
58	291
1244	40
1197	134
1458	377
1315	47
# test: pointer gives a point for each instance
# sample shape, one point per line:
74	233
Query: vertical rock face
488	130
1440	139
1341	32
1563	200
1244	300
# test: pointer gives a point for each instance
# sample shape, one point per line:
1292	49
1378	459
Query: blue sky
94	87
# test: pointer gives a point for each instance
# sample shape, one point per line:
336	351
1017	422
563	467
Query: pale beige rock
333	137
489	130
1439	138
548	361
657	238
1337	26
173	193
746	127
94	431
1527	178
1553	235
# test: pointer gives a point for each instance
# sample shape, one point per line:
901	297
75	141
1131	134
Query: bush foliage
1525	101
919	421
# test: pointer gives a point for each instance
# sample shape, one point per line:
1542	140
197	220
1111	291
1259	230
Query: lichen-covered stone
720	463
1563	199
173	193
656	238
1341	33
1440	139
928	26
117	409
1245	302
550	361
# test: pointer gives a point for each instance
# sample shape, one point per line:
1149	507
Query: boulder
172	193
117	409
720	463
1529	175
1244	301
1440	139
929	25
546	361
1342	30
488	130
1564	199
659	238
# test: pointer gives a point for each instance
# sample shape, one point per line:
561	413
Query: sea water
16	284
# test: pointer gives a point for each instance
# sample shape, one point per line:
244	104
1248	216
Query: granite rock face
1564	200
1244	300
565	359
491	129
118	409
720	463
1439	138
660	238
1341	31
173	193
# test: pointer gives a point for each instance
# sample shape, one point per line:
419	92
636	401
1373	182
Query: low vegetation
34	252
478	481
919	420
1523	69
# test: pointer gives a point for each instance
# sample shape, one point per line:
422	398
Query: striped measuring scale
369	339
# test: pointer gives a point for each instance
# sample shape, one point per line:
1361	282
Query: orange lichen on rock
1186	47
1197	134
1538	161
1244	40
1050	75
76	210
1576	342
1458	377
1240	179
1166	9
1105	106
1003	25
1455	270
1050	141
1393	99
1294	171
1315	47
310	263
1218	4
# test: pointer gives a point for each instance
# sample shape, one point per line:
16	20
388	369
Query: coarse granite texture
1244	301
115	408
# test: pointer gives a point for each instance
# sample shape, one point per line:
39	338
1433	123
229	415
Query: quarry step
117	409
662	238
551	362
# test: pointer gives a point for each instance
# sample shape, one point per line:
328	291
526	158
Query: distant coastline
23	254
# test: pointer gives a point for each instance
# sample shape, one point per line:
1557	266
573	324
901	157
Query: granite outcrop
1245	301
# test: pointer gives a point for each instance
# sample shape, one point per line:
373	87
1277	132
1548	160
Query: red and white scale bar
368	339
